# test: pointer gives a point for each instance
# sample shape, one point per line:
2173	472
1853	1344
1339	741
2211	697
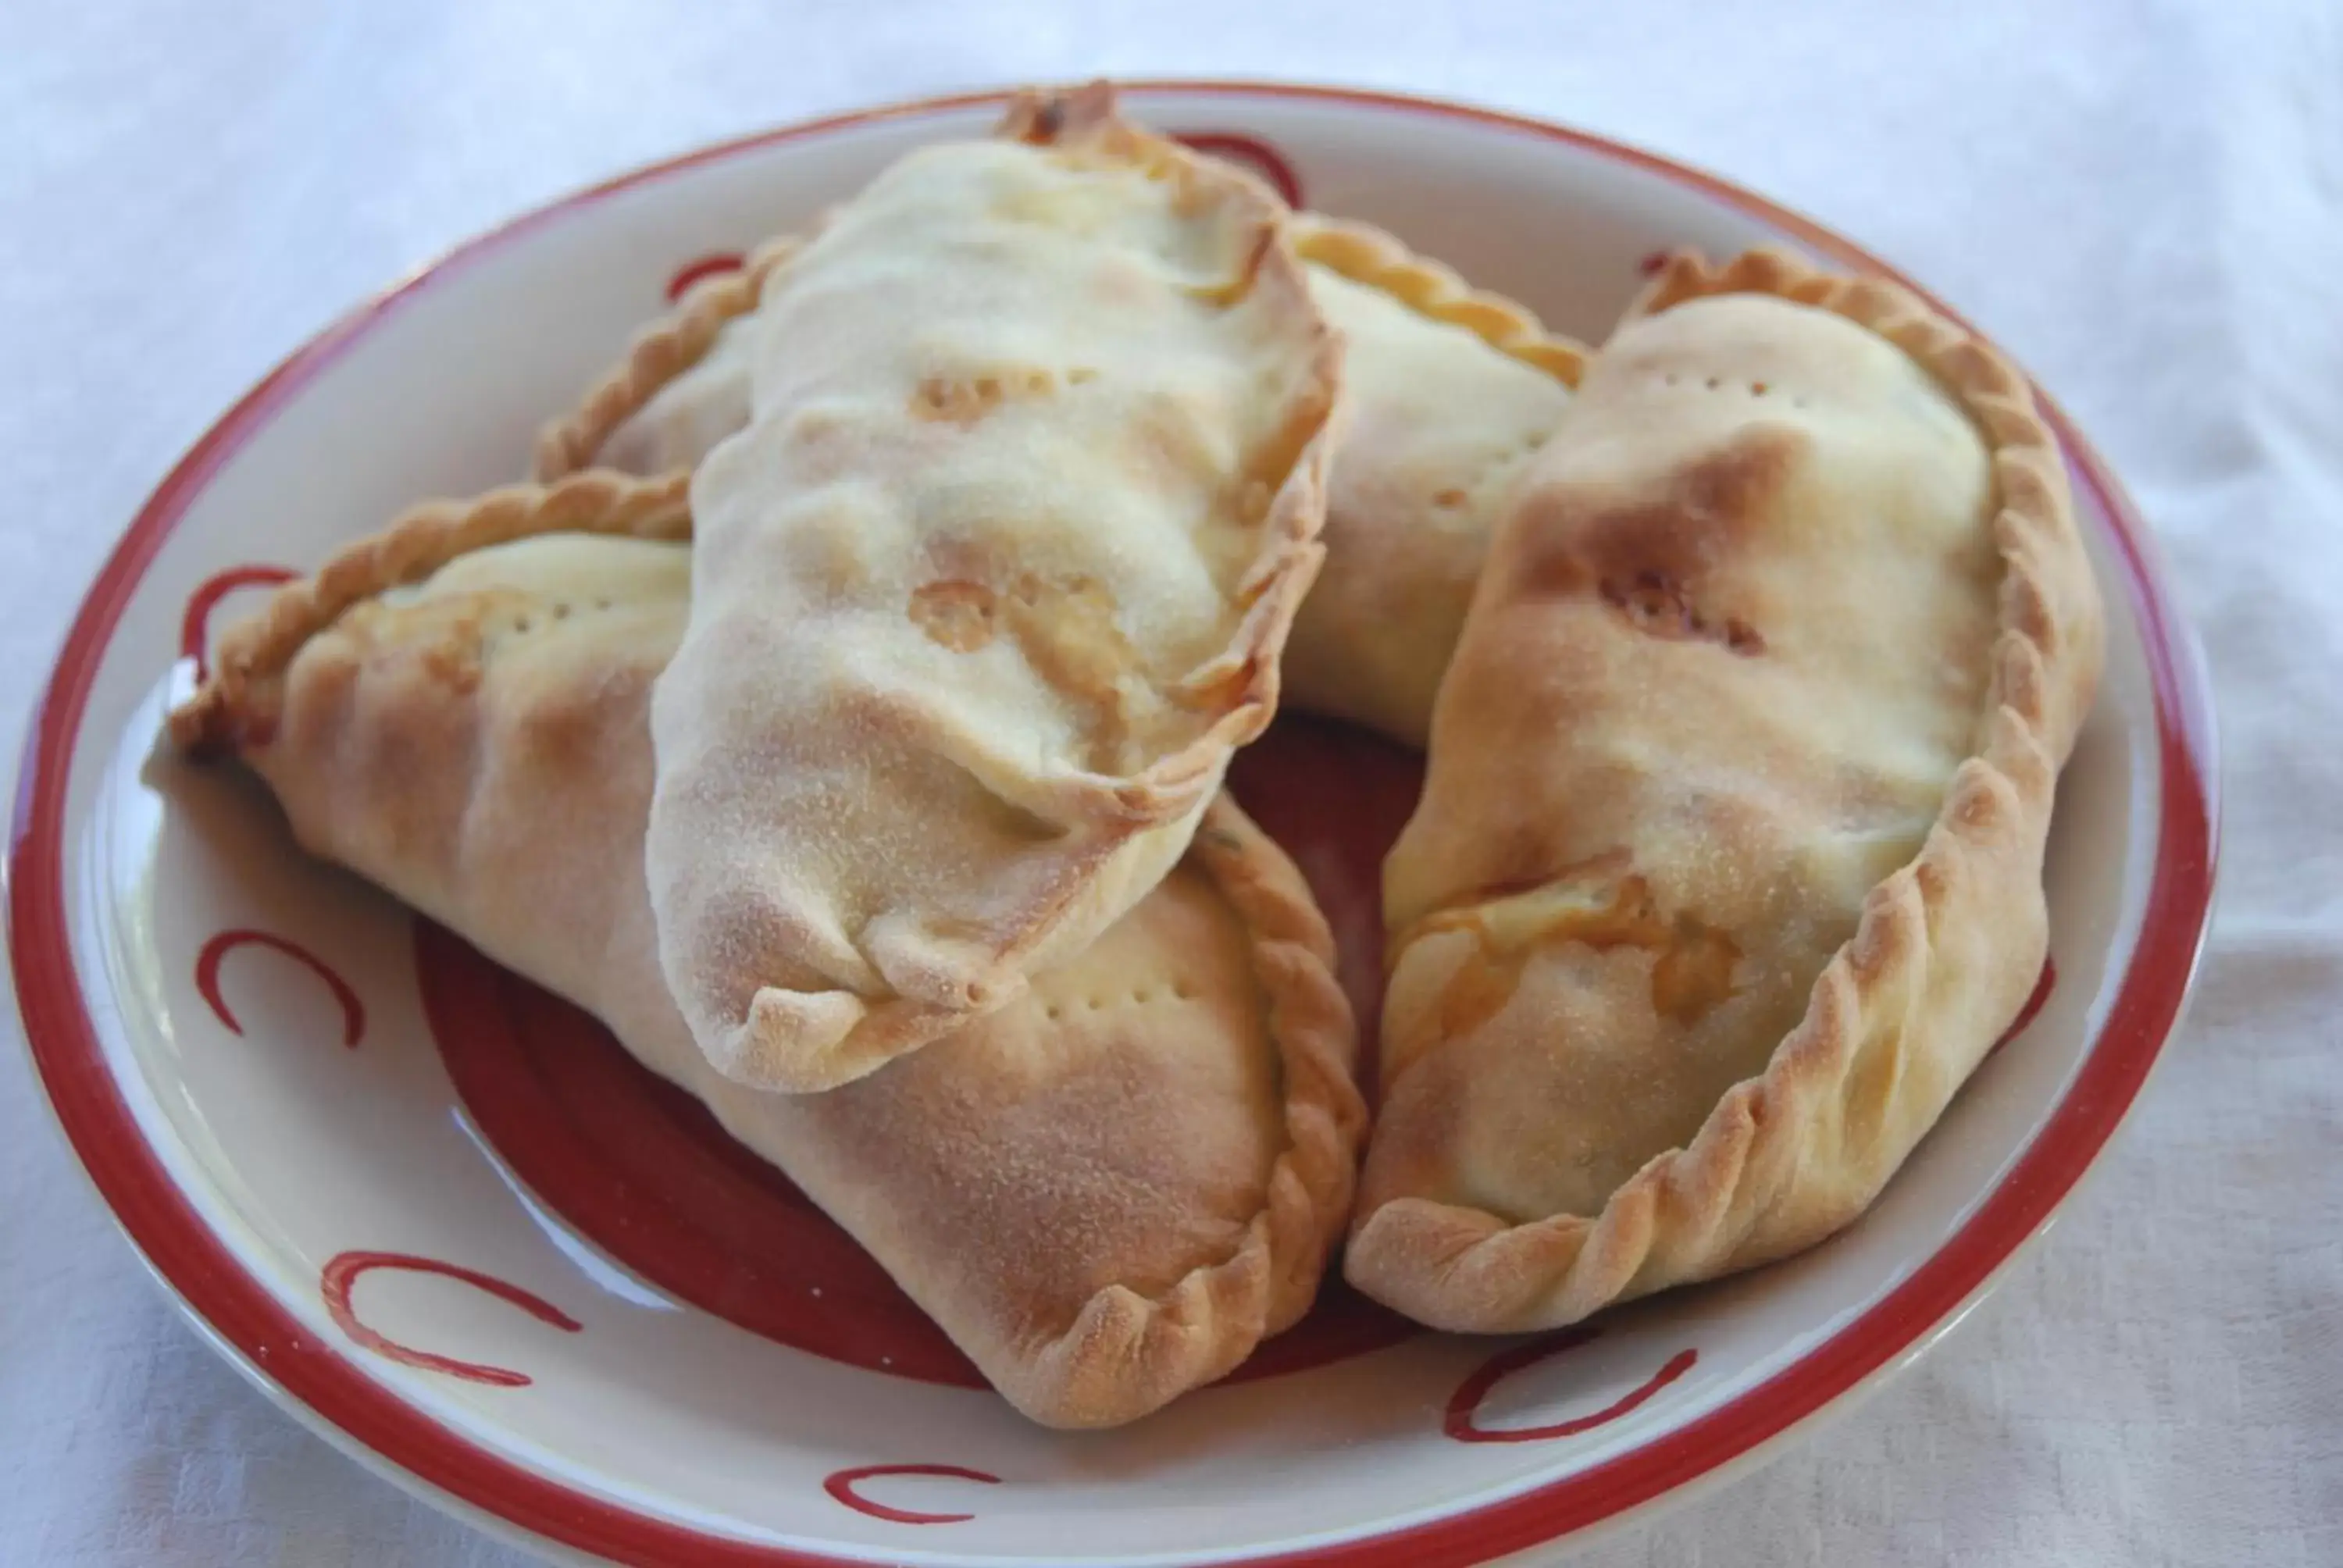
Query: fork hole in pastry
1450	497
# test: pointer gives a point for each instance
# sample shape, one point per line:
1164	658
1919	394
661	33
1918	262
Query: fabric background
2143	201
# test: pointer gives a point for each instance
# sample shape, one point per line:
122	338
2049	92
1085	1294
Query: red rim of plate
275	1346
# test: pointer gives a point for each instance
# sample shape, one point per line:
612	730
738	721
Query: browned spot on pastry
1694	973
1677	529
1731	488
568	731
1657	605
963	400
1450	496
1067	627
453	659
959	615
1692	967
1067	630
450	640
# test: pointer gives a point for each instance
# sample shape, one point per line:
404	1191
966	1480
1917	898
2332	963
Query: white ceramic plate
443	1220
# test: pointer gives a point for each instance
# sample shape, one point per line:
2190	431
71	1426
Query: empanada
987	591
1449	391
1728	866
1106	1192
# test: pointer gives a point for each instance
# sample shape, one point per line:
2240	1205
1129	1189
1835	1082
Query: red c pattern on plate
207	976
195	621
1250	152
340	1276
1458	1422
840	1485
710	265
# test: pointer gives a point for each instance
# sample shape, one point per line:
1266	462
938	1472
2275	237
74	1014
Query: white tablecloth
2144	201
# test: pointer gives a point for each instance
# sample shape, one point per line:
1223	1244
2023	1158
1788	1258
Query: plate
442	1219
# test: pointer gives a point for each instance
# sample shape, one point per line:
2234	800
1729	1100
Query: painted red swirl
340	1276
195	621
840	1486
208	978
1250	152
692	271
1459	1422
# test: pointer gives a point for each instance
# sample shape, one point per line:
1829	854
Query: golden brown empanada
1449	391
1106	1192
1728	866
987	591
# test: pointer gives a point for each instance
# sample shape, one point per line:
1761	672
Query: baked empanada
1106	1192
1448	390
987	591
1449	393
1728	866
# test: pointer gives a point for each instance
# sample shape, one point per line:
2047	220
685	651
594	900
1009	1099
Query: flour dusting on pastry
1727	868
987	590
1106	1194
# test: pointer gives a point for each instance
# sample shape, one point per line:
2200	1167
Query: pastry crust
238	701
1452	391
1439	428
1106	1193
662	352
1382	261
984	602
1942	954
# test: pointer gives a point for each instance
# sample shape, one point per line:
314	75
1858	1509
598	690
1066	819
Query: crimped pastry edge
1379	260
659	353
1363	254
1124	1354
1715	1206
236	704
